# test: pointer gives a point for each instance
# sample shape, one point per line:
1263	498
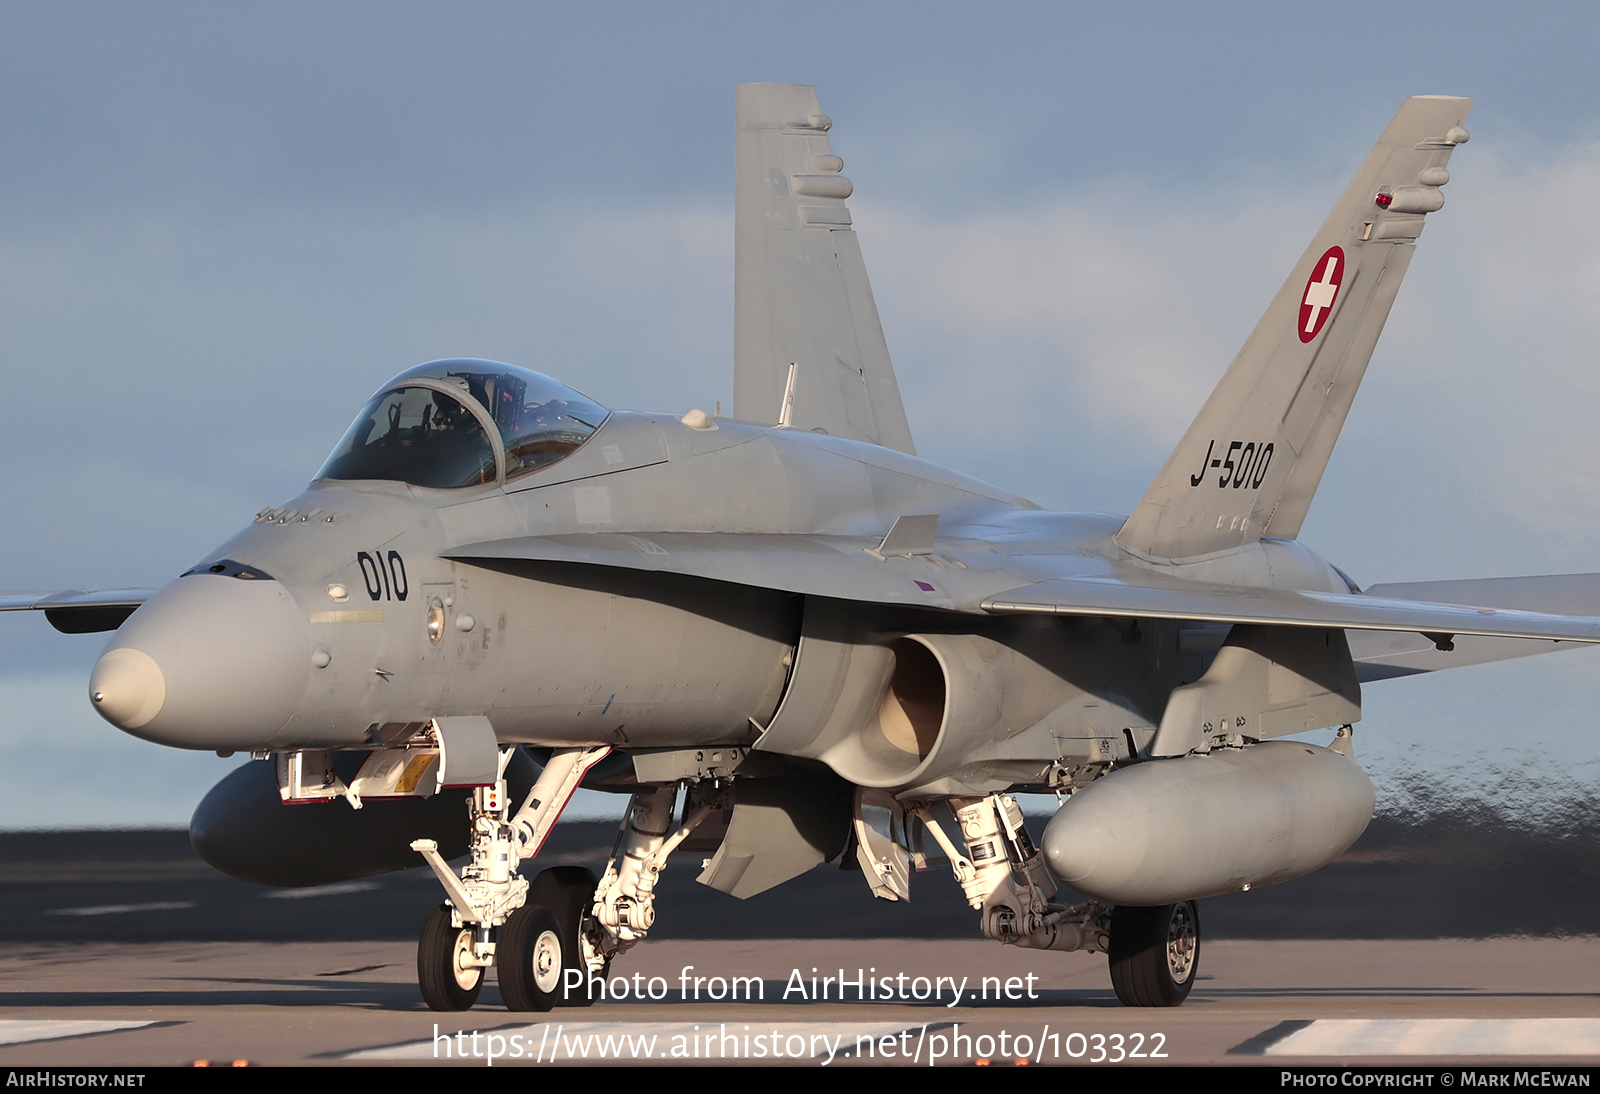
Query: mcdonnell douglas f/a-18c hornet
792	641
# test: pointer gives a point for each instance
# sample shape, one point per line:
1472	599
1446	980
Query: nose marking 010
384	575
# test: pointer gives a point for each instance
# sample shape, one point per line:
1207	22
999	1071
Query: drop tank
1170	830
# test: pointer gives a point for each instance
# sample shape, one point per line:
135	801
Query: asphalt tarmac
123	948
1452	877
1497	1001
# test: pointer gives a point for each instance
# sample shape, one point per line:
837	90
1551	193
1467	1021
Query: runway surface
1519	1001
1443	879
123	948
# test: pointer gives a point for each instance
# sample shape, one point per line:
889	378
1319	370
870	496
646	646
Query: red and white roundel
1321	291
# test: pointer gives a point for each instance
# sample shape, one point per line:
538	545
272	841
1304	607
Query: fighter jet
792	641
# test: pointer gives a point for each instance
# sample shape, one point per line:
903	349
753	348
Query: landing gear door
882	847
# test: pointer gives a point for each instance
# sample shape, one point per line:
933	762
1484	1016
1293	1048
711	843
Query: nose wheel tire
539	943
448	979
531	958
1155	953
568	891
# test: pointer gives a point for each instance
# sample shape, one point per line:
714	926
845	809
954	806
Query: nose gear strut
489	888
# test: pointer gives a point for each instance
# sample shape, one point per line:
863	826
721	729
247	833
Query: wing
76	611
966	576
808	348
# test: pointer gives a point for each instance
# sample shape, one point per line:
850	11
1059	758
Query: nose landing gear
532	958
490	898
553	939
447	970
540	959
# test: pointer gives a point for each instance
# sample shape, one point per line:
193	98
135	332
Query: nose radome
211	661
127	688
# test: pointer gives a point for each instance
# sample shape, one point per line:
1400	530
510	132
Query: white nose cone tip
127	688
1179	829
209	662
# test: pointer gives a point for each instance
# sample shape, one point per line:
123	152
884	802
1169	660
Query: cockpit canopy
419	434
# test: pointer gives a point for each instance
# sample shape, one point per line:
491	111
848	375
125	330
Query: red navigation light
1384	200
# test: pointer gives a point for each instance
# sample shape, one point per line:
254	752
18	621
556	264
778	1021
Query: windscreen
540	420
417	436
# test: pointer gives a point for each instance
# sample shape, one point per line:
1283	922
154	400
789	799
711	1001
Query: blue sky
221	228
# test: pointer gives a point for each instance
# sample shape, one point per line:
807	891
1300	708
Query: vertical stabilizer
806	335
1249	465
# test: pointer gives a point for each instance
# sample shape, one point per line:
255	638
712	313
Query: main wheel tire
447	983
531	959
1155	953
568	891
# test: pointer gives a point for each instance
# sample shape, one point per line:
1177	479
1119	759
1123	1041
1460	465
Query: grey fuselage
314	632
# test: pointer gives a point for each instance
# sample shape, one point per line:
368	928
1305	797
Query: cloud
1073	340
170	375
1100	317
1504	337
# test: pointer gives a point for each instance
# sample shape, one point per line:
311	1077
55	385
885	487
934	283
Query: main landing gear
553	938
1154	952
549	940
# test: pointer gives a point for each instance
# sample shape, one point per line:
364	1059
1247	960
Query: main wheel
448	979
1155	953
568	891
531	958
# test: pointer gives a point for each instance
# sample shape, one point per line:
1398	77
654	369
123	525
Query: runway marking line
349	972
341	888
1427	1037
124	909
20	1031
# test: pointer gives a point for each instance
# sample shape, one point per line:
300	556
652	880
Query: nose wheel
531	959
540	956
448	977
1155	953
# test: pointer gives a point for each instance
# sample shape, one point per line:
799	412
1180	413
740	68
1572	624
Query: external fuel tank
1169	830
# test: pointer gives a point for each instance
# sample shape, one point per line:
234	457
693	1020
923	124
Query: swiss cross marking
1322	289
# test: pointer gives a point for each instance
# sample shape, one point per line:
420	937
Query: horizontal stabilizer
1558	594
1286	607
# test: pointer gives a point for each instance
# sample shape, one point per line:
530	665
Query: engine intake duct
944	714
